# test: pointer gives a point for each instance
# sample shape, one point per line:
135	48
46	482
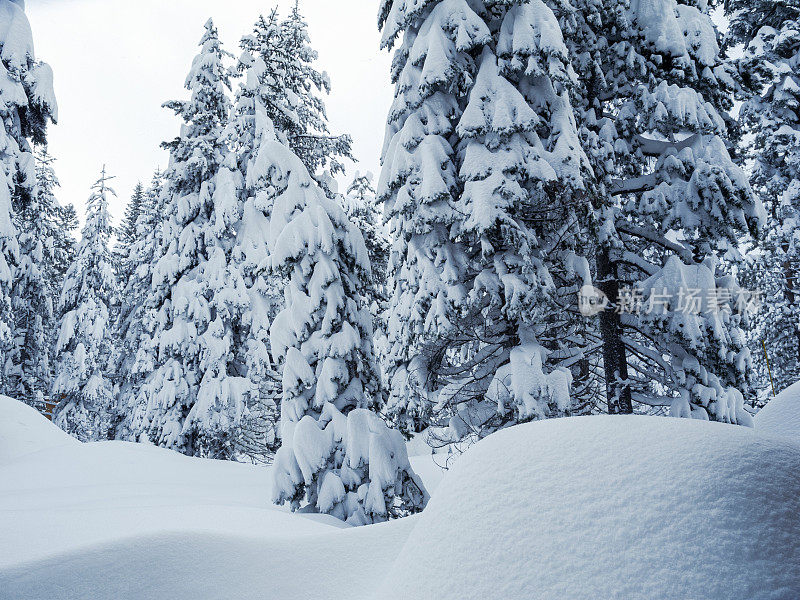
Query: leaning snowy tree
770	72
197	395
673	206
337	456
82	384
483	178
27	103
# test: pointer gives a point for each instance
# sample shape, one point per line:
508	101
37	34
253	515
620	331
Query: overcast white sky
117	61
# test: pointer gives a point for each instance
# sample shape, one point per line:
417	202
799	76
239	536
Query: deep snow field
592	507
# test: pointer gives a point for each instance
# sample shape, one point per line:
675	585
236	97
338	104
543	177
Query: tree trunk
615	362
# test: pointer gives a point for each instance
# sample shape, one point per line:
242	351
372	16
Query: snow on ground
781	415
101	520
611	507
628	507
23	431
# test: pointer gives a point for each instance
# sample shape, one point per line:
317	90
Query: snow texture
781	415
90	519
610	507
23	431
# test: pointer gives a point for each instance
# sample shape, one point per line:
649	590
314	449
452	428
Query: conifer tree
672	205
27	104
66	224
310	137
361	207
82	384
36	283
278	59
197	394
134	355
483	179
259	95
337	456
126	233
770	73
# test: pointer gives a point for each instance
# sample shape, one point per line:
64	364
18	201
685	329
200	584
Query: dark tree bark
615	361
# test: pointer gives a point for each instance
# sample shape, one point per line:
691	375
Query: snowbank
610	507
24	431
596	507
114	520
781	415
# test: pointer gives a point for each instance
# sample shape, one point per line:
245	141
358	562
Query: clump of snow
610	507
781	415
24	431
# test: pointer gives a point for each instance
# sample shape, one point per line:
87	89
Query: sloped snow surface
611	507
24	431
781	415
595	507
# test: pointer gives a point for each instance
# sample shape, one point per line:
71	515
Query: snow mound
781	415
610	507
23	430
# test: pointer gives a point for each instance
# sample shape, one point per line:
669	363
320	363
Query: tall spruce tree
262	93
770	73
279	62
483	180
27	104
672	205
82	384
197	394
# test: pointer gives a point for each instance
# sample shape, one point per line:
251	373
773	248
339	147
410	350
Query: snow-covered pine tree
36	283
673	205
27	103
197	394
66	219
134	356
261	93
126	234
361	207
418	186
310	138
770	71
483	179
82	385
337	456
278	59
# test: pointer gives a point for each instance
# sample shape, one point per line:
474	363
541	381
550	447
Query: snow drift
781	415
24	431
590	507
610	507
